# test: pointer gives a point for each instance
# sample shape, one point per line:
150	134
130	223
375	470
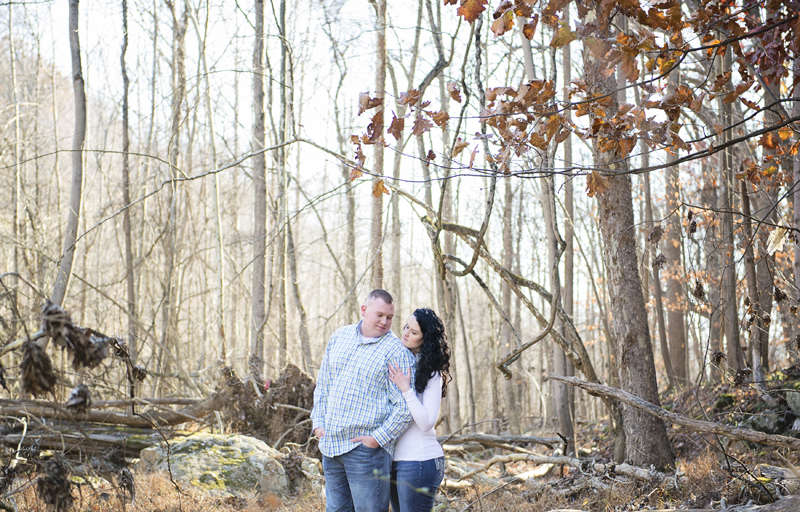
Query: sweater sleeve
426	412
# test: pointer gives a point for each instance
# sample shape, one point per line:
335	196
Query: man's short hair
380	294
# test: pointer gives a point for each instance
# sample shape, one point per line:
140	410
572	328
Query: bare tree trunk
509	398
734	351
73	214
569	259
260	203
219	306
169	311
16	191
130	279
282	196
377	199
674	270
646	437
468	364
794	340
713	265
305	344
752	290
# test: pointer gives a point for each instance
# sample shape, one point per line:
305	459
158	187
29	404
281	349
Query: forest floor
711	472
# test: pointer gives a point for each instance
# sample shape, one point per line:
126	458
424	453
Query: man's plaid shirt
354	396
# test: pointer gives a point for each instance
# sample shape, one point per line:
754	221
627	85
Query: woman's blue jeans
414	484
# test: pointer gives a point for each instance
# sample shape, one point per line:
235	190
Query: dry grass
156	493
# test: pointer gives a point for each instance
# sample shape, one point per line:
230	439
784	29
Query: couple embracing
375	407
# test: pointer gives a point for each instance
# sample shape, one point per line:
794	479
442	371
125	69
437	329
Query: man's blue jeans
414	484
357	481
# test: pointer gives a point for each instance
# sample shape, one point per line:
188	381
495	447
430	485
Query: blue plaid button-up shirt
354	396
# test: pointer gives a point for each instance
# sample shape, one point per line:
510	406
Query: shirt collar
366	340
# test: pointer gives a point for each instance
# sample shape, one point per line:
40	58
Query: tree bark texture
258	318
377	199
646	436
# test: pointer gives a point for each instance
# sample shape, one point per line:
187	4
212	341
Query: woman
418	465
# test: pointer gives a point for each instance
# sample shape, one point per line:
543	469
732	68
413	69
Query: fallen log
580	464
145	419
93	438
708	427
788	504
487	439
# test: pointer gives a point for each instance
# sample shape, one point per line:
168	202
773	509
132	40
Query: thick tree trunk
76	188
646	436
674	270
258	318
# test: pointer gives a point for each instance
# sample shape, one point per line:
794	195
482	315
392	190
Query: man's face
377	318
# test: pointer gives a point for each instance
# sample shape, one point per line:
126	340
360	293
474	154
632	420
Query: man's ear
363	309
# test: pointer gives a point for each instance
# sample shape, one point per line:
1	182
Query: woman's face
412	335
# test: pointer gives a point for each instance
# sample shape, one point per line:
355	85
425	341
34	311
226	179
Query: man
358	413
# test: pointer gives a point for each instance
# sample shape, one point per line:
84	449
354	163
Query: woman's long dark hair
434	354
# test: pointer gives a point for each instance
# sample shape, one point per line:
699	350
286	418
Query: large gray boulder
232	465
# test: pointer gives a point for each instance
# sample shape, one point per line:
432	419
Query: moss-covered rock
724	401
224	465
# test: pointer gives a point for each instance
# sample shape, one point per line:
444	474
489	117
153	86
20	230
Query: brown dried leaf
563	36
408	98
431	156
379	188
455	93
503	24
396	128
355	173
365	102
440	118
459	147
596	184
529	29
421	124
471	10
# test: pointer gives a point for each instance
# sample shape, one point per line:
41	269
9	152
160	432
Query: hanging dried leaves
779	295
698	292
38	377
126	484
655	234
89	348
56	322
717	357
139	373
55	487
659	262
80	399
